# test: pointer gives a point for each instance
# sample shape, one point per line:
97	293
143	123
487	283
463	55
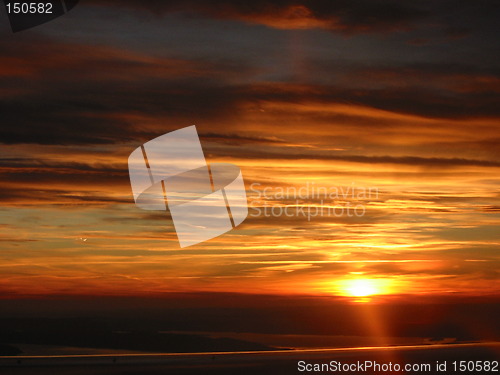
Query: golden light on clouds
424	137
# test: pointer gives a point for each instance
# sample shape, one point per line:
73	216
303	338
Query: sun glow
364	287
361	288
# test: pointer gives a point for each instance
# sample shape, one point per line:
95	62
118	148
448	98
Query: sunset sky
399	96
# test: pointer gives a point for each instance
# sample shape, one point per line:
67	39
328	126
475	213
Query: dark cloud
97	113
235	139
454	19
407	160
27	196
28	170
79	94
350	16
31	182
490	208
73	94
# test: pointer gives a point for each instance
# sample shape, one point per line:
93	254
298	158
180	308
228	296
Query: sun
360	288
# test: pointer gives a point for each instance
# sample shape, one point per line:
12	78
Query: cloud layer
395	96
